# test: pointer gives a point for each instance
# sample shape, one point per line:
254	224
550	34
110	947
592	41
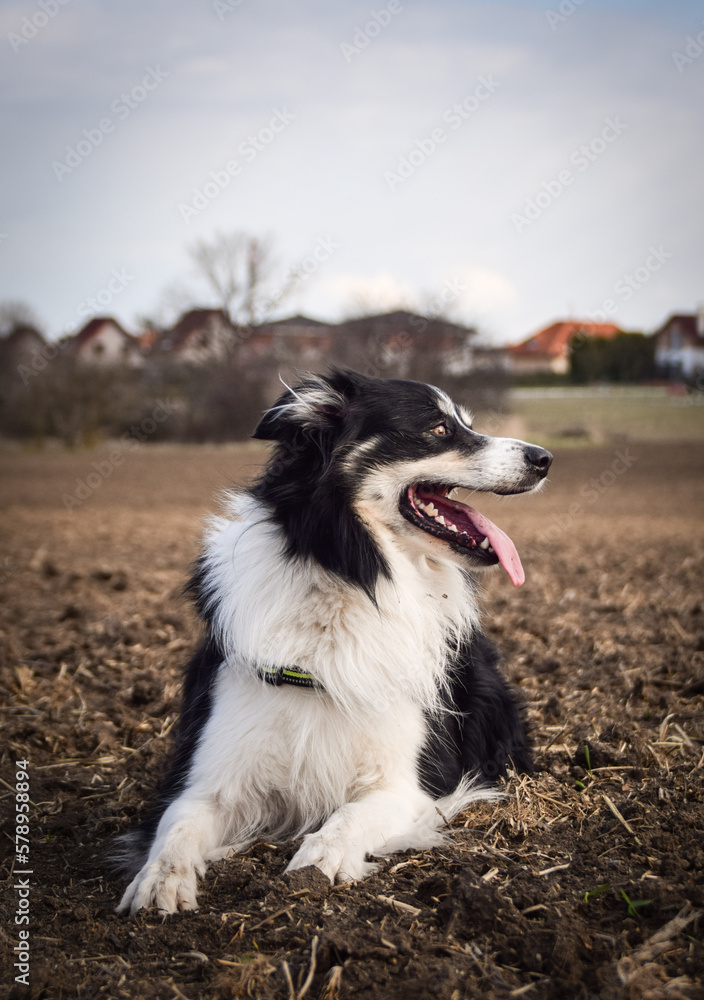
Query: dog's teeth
453	527
440	520
420	505
485	544
432	510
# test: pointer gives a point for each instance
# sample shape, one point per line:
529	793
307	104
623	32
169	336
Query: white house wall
109	347
687	359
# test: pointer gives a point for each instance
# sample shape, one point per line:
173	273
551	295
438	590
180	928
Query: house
399	343
389	344
103	342
548	350
280	350
297	340
199	337
679	345
395	344
487	358
20	347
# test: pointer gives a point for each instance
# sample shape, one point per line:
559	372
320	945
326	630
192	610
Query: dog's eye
440	430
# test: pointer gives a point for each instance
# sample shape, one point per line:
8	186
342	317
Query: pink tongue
502	546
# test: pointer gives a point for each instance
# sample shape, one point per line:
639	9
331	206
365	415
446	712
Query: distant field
576	416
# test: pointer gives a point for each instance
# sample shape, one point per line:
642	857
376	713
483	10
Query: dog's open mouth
430	507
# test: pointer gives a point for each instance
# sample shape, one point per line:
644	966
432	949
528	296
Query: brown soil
604	642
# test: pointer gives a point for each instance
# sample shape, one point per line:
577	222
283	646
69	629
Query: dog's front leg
190	829
379	823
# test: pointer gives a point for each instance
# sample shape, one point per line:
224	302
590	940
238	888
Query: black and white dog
344	690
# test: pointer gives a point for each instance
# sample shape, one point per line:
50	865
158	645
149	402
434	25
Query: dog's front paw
169	886
334	859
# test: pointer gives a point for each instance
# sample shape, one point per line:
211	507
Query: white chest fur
367	655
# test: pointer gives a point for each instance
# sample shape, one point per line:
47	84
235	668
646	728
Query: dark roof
93	328
15	337
20	344
687	323
401	319
297	320
190	323
385	324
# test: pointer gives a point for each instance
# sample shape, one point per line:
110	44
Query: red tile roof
554	340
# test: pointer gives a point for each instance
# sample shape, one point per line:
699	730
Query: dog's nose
539	458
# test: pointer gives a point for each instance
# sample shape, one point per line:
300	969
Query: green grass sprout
593	893
634	904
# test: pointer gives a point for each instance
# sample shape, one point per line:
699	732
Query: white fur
338	766
275	611
285	760
454	411
304	405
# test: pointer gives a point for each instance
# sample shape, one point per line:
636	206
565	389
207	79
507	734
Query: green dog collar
287	675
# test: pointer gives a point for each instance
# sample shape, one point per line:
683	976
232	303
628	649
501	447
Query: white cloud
357	293
484	291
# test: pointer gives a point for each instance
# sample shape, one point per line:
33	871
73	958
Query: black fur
311	502
309	496
304	485
196	703
482	730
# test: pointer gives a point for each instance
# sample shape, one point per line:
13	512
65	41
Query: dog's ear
315	405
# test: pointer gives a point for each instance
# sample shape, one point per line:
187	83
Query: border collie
344	691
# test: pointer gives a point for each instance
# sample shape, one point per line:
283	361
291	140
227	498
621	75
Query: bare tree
15	314
363	303
238	268
175	299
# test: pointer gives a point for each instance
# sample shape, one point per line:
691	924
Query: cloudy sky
521	161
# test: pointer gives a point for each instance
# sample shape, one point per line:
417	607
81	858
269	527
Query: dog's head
364	462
